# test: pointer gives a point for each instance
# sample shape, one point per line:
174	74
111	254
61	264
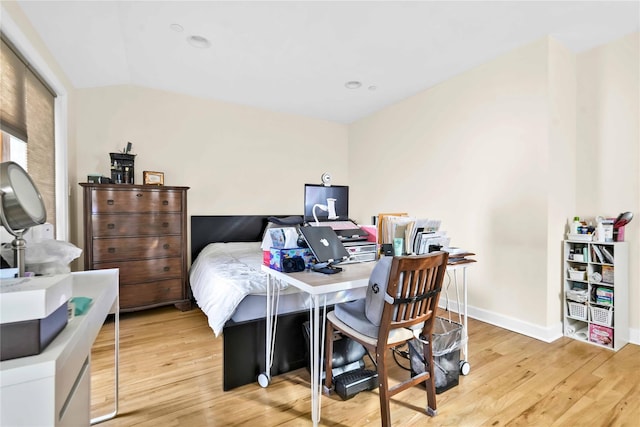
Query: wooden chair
409	299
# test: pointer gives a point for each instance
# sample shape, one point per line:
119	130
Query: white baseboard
534	331
529	329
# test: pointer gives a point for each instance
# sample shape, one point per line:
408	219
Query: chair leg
430	383
385	413
328	357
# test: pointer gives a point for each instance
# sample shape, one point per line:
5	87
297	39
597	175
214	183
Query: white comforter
222	275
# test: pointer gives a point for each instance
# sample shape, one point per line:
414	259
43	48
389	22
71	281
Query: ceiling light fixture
199	42
353	84
372	87
177	28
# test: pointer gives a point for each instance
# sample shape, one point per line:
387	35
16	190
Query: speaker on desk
293	265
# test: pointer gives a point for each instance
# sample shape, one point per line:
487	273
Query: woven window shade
13	115
27	109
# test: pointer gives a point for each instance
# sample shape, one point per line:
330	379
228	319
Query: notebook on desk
324	244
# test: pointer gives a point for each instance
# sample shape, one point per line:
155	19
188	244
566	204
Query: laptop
324	244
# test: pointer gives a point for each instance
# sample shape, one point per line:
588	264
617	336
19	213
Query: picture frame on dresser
152	178
142	231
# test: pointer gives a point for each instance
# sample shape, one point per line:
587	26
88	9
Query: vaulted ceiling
297	56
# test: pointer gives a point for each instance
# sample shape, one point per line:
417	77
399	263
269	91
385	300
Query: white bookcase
596	292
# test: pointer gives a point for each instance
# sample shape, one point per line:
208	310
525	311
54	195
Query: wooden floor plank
171	375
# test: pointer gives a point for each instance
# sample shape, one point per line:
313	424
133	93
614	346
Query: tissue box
276	255
601	335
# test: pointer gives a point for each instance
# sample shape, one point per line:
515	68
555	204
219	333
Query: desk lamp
329	207
21	208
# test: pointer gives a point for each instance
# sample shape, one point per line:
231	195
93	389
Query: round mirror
22	205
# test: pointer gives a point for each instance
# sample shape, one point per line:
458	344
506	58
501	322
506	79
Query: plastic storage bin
602	315
577	275
577	310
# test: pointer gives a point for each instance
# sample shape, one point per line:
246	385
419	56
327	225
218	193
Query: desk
53	388
349	284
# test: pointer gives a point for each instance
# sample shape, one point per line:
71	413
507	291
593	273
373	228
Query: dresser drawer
146	270
126	248
136	201
136	224
152	293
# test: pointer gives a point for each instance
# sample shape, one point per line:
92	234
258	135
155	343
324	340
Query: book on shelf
608	256
598	254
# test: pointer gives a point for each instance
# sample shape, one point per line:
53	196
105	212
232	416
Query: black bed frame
244	343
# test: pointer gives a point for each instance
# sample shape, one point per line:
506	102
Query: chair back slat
414	286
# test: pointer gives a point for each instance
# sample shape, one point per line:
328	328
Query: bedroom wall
496	154
473	152
236	159
609	145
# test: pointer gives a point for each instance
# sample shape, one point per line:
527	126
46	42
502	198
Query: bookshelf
596	292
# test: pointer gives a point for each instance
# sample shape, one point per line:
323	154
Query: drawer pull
110	202
165	203
111	226
139	195
111	250
165	224
166	246
166	269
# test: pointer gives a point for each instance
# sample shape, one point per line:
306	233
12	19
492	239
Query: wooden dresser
142	230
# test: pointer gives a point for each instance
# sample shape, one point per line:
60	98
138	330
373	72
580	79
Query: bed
228	286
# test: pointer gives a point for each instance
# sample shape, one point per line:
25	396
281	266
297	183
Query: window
27	123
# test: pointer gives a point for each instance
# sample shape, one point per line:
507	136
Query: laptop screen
324	244
319	194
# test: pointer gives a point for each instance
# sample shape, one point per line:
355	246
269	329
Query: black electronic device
327	270
293	265
387	249
353	382
319	195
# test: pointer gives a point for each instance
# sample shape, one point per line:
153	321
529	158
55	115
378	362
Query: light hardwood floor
171	375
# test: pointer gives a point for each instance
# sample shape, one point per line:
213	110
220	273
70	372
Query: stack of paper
417	233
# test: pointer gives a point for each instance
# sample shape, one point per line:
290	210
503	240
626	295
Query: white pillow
377	289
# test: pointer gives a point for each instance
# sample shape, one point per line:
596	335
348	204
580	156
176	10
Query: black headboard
207	229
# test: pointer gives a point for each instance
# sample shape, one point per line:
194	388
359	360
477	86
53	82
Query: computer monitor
319	195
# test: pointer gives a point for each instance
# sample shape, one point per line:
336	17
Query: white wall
562	168
499	154
235	159
608	154
473	152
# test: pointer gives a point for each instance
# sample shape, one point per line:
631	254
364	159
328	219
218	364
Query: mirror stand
19	244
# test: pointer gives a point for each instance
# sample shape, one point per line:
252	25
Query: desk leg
273	298
115	308
465	367
318	330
